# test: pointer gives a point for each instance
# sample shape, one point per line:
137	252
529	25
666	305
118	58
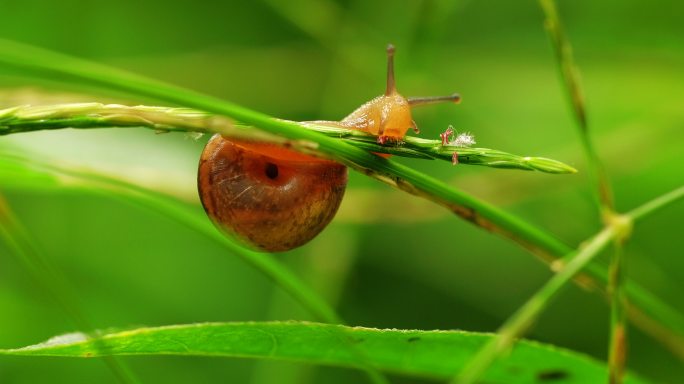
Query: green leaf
437	354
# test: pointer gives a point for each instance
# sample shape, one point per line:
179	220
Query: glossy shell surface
271	198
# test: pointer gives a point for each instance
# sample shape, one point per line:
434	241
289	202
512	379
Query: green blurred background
388	259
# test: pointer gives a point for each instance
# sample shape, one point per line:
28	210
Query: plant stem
674	342
570	75
95	115
46	63
617	348
525	316
656	204
516	325
49	278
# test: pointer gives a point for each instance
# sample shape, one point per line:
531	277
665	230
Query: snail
275	199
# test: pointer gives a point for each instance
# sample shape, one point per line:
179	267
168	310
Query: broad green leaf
437	354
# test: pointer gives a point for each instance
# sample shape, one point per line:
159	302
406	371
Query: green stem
656	204
95	115
523	319
617	348
47	63
516	326
570	75
621	307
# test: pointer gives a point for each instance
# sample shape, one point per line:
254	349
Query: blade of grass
654	205
518	324
44	63
617	349
525	316
432	354
53	283
570	76
95	115
676	343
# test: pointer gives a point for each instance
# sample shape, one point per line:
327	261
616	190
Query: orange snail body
276	199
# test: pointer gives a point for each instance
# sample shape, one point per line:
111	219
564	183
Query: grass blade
96	115
570	75
520	322
435	354
525	316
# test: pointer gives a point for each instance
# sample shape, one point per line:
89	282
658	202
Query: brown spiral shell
269	197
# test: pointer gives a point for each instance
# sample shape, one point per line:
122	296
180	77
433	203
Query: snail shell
269	197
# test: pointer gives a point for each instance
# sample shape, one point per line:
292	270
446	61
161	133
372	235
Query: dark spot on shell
271	171
413	339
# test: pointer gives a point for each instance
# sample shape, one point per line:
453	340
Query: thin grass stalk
617	347
163	119
571	79
676	343
523	319
525	316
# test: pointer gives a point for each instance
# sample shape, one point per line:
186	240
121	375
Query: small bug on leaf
275	199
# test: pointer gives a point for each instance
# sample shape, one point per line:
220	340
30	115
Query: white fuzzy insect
451	137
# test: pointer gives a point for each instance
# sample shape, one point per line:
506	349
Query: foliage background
388	260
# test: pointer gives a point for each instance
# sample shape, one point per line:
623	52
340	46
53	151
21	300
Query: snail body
275	199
